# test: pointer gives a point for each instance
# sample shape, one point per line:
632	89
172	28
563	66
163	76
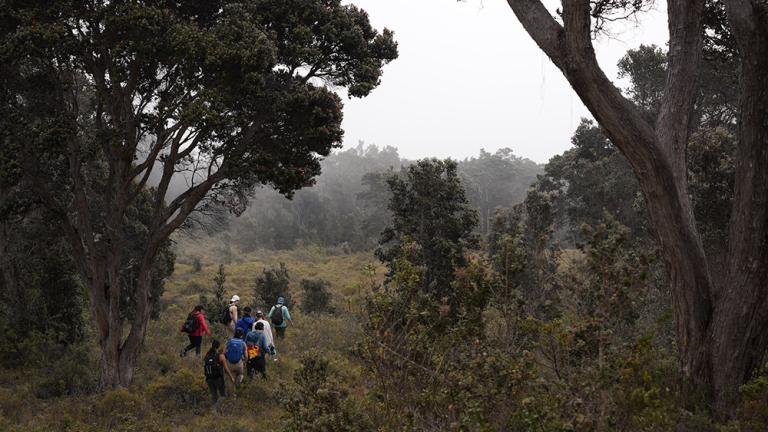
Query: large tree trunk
119	356
740	325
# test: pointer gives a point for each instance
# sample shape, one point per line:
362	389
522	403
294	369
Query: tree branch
684	61
542	27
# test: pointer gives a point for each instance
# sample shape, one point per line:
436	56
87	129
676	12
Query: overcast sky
469	77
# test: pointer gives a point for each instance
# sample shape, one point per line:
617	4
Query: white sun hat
235	298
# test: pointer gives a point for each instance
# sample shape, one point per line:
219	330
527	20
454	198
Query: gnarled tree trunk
740	325
722	331
118	355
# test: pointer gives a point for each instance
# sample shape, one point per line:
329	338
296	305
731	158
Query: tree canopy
100	96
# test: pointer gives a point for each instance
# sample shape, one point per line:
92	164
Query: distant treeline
348	205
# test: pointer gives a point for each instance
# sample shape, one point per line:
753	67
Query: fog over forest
348	205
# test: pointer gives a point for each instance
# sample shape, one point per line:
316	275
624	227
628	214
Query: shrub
272	283
316	296
119	408
319	400
197	265
69	371
181	389
12	406
216	305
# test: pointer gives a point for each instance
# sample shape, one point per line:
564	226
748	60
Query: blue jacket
245	323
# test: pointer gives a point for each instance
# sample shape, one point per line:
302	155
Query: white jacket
267	330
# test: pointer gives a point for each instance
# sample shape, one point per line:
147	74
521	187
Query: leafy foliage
273	282
316	296
320	400
215	306
432	222
225	95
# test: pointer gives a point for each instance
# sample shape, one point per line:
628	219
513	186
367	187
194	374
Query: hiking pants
194	343
258	364
279	332
238	372
217	387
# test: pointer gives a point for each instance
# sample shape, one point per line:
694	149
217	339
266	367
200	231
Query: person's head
259	313
198	308
259	326
247	310
281	300
239	333
215	344
235	298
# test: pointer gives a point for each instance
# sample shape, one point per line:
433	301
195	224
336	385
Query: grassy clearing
169	392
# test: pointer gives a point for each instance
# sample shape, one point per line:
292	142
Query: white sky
469	77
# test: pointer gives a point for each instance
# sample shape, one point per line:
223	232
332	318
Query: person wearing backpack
236	354
230	315
194	326
246	322
214	368
267	333
280	316
256	342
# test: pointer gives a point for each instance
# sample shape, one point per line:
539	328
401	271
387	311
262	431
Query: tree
215	306
429	208
99	97
591	178
496	180
374	200
720	326
272	283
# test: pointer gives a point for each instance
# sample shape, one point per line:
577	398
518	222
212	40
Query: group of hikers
250	339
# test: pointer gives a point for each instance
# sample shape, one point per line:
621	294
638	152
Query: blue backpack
235	350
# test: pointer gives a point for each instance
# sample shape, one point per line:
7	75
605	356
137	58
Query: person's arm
223	362
268	332
264	346
204	324
233	313
287	314
271	311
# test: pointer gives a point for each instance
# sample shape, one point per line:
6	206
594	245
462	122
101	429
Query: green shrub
12	405
319	400
753	412
273	282
69	371
181	389
119	408
316	296
197	265
215	306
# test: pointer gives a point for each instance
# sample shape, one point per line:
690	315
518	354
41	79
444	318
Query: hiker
194	326
256	342
280	317
214	367
267	333
246	322
236	356
230	315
